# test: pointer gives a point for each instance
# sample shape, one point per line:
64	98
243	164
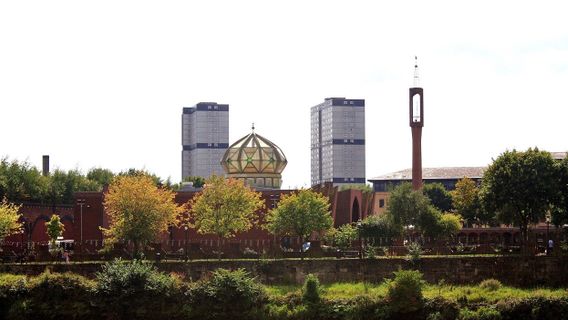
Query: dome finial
253	127
416	77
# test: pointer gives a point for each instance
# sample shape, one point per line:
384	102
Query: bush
311	289
482	313
135	289
533	308
404	292
441	309
55	295
490	285
414	252
226	294
12	288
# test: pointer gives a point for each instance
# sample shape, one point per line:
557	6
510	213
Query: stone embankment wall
518	271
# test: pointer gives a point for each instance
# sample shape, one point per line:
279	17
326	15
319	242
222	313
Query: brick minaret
416	101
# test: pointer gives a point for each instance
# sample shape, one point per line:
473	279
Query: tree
9	219
54	230
377	227
300	214
20	182
438	195
138	210
224	207
343	236
467	202
521	187
198	182
406	206
560	209
450	224
101	176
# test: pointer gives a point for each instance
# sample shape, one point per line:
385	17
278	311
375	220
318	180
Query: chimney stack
45	165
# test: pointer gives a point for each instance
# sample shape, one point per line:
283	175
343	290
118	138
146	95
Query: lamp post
547	234
81	203
360	242
186	240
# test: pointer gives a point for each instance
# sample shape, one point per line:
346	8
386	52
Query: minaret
416	101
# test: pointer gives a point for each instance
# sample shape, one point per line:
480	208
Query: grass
471	293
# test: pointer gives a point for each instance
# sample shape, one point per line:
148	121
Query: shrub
55	295
404	292
490	285
533	308
482	313
441	309
12	288
230	294
414	252
311	289
135	289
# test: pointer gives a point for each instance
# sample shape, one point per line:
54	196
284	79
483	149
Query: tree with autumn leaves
139	210
9	219
224	208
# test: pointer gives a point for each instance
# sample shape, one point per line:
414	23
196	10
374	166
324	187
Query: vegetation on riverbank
136	289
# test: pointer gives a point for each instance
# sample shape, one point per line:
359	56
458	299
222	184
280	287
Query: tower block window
416	108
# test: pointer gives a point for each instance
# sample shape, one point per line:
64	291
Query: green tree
450	224
138	210
521	187
377	227
103	177
224	207
300	214
198	182
54	230
21	182
406	207
9	219
560	208
438	195
63	185
467	201
343	236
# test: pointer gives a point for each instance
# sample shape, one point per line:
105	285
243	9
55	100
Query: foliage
560	210
414	252
138	210
63	185
227	294
533	308
9	219
300	214
467	202
54	228
311	289
482	313
450	224
224	207
129	278
439	197
102	177
20	182
363	187
520	187
404	293
376	227
198	182
343	236
405	205
490	284
440	308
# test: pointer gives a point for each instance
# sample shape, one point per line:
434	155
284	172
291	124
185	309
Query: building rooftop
435	173
558	155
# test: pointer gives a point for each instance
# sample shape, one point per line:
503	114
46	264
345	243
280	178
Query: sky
103	83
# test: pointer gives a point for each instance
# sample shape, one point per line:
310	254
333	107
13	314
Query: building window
381	203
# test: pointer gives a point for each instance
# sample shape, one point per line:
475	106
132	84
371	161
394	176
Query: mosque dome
256	160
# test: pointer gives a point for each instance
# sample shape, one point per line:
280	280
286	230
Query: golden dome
256	160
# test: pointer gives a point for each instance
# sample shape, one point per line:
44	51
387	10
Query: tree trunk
136	249
301	247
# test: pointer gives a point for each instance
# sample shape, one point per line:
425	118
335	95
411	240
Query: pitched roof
436	173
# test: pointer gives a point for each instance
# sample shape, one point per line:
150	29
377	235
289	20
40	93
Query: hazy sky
103	83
